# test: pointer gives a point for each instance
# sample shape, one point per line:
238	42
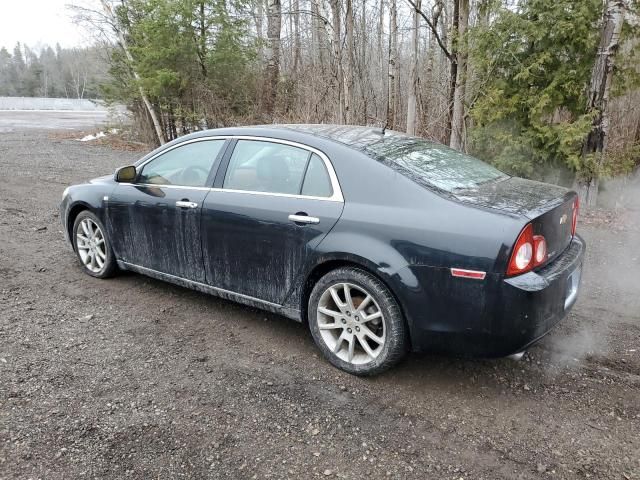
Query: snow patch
88	138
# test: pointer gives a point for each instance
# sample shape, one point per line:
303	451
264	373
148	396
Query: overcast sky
37	22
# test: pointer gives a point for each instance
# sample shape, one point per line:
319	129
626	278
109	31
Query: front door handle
186	204
303	218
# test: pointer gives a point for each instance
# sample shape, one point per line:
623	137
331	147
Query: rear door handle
297	218
186	204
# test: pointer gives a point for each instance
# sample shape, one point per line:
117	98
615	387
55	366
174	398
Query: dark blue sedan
381	242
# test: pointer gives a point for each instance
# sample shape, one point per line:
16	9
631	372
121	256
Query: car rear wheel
356	322
92	245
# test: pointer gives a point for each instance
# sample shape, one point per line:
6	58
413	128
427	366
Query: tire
376	322
90	240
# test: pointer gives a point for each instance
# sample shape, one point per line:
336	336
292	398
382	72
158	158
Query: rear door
155	221
273	203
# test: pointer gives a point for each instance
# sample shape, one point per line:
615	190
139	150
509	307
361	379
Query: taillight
528	252
574	218
540	249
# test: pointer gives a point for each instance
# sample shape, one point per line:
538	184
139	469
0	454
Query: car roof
350	135
353	136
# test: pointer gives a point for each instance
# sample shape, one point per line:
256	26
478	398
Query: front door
155	221
274	204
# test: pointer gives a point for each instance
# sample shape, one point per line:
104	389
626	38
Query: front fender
89	196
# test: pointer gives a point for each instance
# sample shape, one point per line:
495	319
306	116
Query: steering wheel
194	176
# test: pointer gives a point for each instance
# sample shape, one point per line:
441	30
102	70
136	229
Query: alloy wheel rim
91	245
351	323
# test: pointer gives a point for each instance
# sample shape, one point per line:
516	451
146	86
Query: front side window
260	166
187	165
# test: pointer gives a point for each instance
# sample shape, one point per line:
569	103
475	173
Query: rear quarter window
316	181
433	165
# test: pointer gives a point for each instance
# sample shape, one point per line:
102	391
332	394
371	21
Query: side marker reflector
475	274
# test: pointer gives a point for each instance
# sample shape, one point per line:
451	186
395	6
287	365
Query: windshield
433	165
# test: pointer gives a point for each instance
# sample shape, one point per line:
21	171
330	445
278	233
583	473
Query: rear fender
340	248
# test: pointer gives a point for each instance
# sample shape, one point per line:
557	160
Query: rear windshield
433	165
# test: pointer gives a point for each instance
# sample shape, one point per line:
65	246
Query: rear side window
260	166
187	165
433	165
316	181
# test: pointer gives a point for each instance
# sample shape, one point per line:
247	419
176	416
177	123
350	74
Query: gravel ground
134	378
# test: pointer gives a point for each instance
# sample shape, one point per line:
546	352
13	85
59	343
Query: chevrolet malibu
381	242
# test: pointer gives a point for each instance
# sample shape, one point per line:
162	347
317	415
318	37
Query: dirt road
133	378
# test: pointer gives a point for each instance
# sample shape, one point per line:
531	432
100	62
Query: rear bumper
495	317
533	303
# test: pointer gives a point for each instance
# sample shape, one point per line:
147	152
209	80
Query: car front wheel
92	245
356	322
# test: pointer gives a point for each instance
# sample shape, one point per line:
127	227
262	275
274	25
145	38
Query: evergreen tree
536	62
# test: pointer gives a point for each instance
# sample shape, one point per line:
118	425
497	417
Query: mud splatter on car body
408	211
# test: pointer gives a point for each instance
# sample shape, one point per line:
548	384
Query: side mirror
125	174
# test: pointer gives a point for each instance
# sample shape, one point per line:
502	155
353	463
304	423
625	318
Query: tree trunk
381	31
393	65
381	50
457	140
350	66
453	71
154	117
259	19
202	44
337	57
297	53
363	62
272	73
598	100
438	36
412	101
317	33
430	113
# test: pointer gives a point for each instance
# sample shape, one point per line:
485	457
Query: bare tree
272	71
350	65
201	41
393	65
598	99
258	19
123	43
318	32
297	48
381	32
439	59
412	101
337	57
459	89
364	79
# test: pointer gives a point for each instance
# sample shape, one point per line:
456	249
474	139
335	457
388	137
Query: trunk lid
556	225
548	207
